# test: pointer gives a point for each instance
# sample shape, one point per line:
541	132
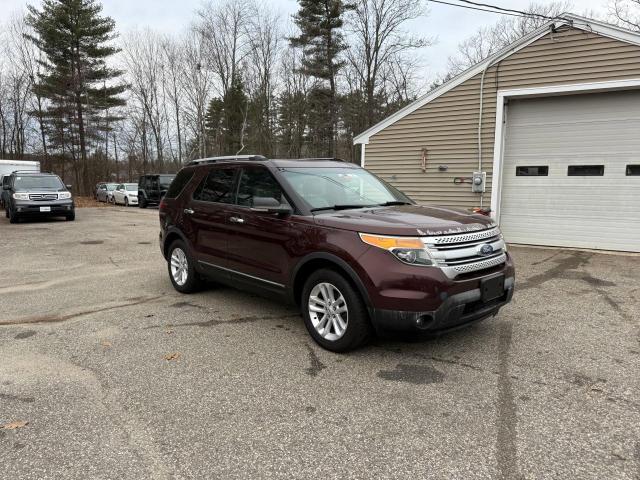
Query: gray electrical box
478	182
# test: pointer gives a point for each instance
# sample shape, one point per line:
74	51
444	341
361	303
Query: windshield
131	187
165	181
38	182
325	187
111	186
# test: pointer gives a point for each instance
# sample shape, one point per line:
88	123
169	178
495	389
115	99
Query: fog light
424	321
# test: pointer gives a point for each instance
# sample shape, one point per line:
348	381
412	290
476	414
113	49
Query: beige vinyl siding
447	126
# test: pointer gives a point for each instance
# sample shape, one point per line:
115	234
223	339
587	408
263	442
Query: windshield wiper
340	207
393	203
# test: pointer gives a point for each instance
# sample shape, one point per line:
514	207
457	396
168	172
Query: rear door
206	216
258	241
118	193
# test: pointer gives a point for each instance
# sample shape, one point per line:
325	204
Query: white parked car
126	194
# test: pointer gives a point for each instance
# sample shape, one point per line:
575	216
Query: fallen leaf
106	343
168	331
172	356
15	424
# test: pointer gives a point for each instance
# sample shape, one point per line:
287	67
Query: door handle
188	211
236	220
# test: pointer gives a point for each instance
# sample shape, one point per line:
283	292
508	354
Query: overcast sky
448	25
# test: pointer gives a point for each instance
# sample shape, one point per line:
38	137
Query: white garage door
571	171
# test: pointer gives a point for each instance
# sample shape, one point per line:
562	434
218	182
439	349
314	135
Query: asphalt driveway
119	376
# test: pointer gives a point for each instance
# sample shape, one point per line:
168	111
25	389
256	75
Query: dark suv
355	254
152	187
31	194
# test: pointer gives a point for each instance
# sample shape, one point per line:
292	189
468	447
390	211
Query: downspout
362	145
484	72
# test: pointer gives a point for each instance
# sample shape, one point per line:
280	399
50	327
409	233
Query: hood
408	220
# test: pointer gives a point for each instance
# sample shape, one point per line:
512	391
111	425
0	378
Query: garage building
553	122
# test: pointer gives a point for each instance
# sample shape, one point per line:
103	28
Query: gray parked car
104	193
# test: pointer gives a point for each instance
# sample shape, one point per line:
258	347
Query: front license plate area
45	209
492	288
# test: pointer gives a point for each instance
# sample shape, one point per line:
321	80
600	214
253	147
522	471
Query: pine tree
321	38
234	118
75	41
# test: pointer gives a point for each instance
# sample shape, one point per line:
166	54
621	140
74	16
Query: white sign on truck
8	166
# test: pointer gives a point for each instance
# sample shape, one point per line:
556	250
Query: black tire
358	330
70	216
126	201
6	212
193	282
13	217
142	203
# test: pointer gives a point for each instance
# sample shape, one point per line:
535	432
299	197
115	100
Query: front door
206	215
259	242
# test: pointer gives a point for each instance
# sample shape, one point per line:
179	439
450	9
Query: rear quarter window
179	182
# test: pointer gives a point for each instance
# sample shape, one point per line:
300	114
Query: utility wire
476	8
528	14
483	7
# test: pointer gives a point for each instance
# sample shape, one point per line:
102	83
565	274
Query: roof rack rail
227	158
320	159
30	171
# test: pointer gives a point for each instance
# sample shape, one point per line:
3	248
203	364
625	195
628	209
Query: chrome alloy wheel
179	266
328	311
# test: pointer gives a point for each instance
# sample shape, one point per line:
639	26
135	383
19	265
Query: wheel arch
171	236
316	261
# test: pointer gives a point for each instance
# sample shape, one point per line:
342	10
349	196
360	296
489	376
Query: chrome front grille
43	196
461	253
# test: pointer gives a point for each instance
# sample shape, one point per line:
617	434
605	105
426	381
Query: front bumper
133	200
54	207
455	312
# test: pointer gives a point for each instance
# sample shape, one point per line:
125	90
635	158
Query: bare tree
625	13
223	28
198	85
141	52
379	44
25	57
488	40
173	60
265	39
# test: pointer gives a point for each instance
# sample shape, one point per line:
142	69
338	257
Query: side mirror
69	187
269	205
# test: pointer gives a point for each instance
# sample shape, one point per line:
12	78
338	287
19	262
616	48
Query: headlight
64	195
21	196
505	242
409	250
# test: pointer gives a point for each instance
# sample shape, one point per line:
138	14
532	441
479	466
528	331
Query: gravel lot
88	317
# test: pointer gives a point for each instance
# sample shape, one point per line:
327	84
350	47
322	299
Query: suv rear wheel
334	312
181	269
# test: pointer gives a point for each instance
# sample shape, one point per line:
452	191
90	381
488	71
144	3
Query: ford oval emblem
485	249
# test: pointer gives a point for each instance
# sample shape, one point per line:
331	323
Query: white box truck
9	166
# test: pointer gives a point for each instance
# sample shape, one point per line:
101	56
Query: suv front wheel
13	216
334	312
181	269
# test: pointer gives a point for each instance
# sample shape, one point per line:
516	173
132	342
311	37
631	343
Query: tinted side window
216	187
178	183
257	182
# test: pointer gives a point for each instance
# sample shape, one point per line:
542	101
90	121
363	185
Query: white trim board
503	95
569	19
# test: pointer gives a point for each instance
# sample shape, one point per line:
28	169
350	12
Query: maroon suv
354	253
